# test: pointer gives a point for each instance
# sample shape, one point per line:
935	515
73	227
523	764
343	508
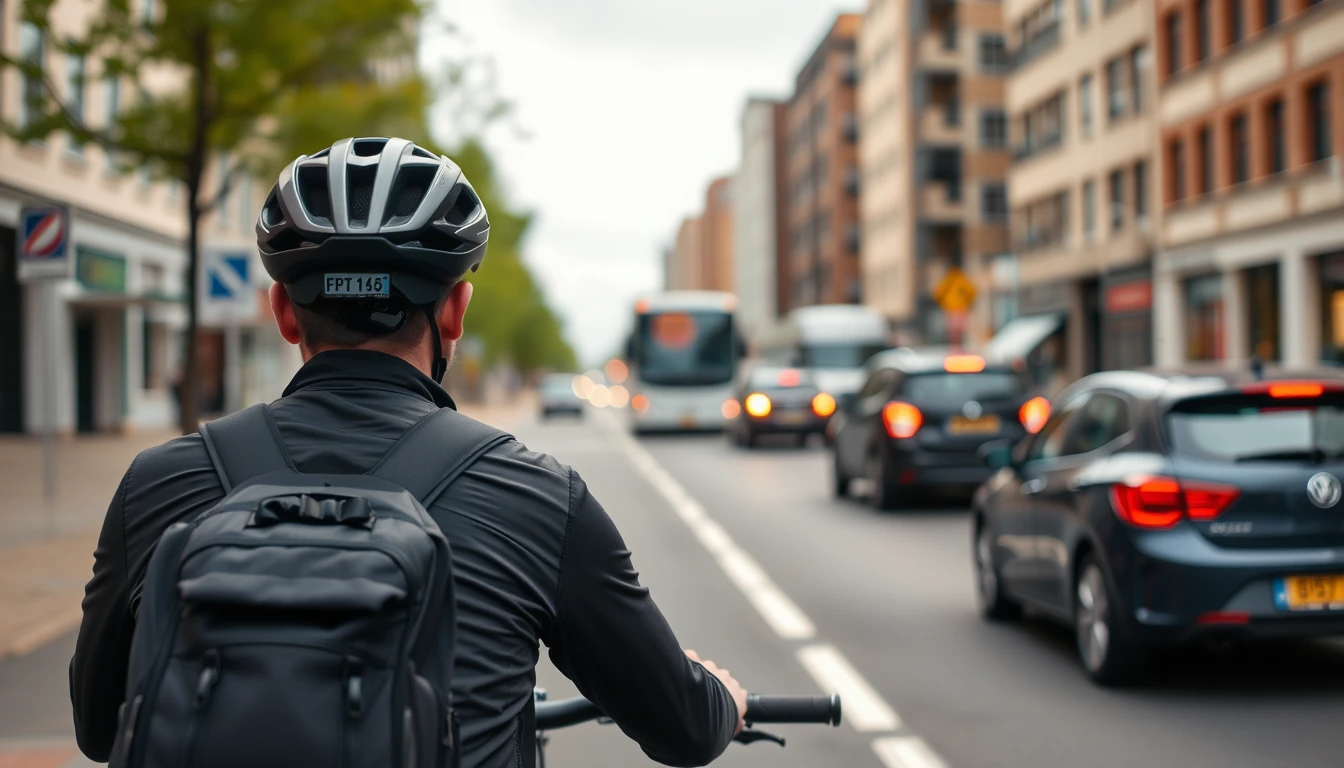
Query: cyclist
536	558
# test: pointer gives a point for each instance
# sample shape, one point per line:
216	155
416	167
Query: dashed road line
865	710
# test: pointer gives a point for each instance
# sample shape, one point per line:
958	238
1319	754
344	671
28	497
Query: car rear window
556	385
988	385
778	377
1258	428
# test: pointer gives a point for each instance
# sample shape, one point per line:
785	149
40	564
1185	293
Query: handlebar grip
793	709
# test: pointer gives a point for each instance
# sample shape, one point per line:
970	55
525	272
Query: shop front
1332	308
1126	341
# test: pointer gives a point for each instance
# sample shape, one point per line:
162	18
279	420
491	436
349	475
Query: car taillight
1158	503
1033	414
758	405
902	419
823	405
639	403
1288	390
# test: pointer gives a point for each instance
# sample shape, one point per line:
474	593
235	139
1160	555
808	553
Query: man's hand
735	688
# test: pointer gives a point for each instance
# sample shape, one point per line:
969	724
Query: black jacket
535	558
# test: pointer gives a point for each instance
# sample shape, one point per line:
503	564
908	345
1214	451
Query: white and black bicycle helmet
372	208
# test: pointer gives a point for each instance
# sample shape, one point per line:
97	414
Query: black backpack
304	620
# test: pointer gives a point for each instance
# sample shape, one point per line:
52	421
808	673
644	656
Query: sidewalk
46	547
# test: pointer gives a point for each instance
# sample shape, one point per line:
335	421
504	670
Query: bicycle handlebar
823	710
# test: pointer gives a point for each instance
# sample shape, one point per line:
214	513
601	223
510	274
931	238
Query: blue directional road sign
44	243
227	290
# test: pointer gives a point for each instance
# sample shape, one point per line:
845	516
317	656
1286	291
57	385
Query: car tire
995	605
883	495
840	482
1109	654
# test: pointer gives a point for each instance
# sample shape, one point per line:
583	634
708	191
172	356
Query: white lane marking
864	708
906	752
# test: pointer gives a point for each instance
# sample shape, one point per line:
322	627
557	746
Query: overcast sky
629	108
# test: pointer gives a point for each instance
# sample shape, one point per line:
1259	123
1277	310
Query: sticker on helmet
354	285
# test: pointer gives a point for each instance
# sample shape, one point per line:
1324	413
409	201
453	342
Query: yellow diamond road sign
955	292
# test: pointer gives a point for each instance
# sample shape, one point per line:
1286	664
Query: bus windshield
838	354
688	348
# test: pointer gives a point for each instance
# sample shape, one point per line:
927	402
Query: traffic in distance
1142	509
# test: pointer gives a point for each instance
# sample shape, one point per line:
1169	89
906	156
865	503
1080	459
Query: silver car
557	395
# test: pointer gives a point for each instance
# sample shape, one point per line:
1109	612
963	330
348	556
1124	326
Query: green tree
254	79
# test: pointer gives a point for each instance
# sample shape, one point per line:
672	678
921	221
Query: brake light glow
1159	503
964	364
823	405
902	420
640	403
1295	390
1033	414
758	405
730	409
790	377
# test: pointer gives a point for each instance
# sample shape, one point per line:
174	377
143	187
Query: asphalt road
759	569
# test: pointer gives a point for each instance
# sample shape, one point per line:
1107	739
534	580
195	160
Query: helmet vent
271	214
418	152
368	147
408	192
361	193
463	208
315	193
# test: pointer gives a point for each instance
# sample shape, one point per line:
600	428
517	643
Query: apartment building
758	205
716	251
822	174
934	157
1081	111
685	259
1251	111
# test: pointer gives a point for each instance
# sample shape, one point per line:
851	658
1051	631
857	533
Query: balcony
1033	147
1040	43
938	49
942	124
941	200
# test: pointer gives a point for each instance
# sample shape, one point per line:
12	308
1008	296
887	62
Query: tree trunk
191	374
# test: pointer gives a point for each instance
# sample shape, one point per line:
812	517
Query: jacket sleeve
102	652
610	639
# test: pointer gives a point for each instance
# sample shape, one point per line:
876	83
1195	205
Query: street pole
49	393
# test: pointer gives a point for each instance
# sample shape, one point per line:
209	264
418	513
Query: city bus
831	341
682	354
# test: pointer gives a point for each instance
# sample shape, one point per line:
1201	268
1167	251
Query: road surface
759	569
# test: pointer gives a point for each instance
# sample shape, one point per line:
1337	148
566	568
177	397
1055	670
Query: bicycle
819	710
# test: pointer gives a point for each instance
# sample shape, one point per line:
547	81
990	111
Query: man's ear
283	309
453	311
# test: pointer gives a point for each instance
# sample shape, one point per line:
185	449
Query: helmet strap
440	364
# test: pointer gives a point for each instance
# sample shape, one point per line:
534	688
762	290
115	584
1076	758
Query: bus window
693	347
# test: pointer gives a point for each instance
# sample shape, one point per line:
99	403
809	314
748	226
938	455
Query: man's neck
416	356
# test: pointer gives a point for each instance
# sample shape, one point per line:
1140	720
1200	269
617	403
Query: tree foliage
265	81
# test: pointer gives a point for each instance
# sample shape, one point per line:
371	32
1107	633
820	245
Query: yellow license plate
1311	593
985	425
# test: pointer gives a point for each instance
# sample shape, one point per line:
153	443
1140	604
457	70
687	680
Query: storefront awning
1019	336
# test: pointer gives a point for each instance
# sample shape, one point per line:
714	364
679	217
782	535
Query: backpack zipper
205	687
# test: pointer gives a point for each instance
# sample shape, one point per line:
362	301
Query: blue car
1155	509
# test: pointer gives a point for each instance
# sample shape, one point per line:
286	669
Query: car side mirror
997	454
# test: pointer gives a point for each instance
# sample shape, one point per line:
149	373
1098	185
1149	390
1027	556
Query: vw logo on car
1324	490
972	410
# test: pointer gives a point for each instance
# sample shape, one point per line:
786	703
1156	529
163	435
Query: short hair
350	323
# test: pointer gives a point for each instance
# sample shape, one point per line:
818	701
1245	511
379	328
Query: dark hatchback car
769	400
917	424
1154	509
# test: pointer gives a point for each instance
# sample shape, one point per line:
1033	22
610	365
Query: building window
1085	105
1084	12
1236	21
1044	223
1274	126
1140	191
993	53
1272	12
32	52
1174	43
74	95
1176	161
1206	160
1117	190
993	201
1089	210
1262	310
1203	30
1241	167
1204	318
1115	88
1137	59
993	129
1042	127
1318	106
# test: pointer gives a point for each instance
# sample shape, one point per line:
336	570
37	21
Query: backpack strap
416	461
245	444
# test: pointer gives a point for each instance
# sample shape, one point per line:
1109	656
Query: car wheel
840	481
883	495
1109	655
994	604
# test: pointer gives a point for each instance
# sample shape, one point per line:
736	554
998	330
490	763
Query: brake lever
751	736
